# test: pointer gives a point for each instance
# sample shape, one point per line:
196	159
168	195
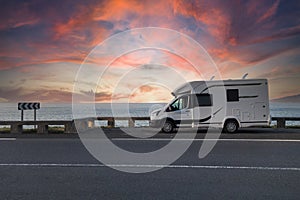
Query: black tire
168	127
231	126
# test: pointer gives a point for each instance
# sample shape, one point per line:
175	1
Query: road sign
29	106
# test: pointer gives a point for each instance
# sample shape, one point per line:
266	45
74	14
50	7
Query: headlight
156	113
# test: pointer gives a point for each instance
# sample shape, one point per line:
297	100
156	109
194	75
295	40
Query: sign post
22	114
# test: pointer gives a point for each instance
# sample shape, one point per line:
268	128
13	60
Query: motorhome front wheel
168	127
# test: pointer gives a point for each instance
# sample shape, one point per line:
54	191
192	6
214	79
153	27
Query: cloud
238	34
279	35
16	14
270	12
26	23
280	72
71	35
150	93
97	96
265	55
213	17
146	88
46	95
49	95
3	100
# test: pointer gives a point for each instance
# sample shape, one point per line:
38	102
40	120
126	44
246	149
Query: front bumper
156	123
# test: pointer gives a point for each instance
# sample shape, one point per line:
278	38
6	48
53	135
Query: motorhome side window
179	104
232	95
203	100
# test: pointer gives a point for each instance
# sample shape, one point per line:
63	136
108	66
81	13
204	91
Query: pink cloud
236	34
269	13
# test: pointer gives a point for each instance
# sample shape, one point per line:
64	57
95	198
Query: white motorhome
227	104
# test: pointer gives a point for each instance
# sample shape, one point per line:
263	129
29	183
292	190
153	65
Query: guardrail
281	121
16	127
69	126
131	120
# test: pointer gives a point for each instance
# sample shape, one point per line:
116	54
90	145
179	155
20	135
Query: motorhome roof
198	86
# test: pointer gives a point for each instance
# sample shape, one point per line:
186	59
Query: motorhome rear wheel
231	126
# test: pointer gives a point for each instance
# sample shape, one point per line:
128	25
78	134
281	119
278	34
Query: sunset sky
44	42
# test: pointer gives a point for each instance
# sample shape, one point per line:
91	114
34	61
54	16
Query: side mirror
168	109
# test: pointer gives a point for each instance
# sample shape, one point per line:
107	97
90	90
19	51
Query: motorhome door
180	110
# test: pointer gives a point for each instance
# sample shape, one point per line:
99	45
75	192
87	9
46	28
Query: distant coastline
288	99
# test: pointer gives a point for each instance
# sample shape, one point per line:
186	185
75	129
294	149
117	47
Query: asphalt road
255	164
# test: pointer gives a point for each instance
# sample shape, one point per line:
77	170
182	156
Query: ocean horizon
63	111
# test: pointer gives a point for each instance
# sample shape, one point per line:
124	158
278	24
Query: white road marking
7	139
149	166
226	140
185	139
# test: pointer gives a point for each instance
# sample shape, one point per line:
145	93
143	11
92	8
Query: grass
56	129
5	130
296	126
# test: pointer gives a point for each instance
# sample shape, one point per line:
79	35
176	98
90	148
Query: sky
45	43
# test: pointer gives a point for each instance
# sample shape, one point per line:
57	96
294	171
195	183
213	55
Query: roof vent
245	75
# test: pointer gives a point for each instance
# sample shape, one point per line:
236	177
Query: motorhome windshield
178	104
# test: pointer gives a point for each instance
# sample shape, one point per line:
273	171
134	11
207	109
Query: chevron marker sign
29	106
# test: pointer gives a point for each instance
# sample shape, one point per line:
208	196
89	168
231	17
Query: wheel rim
167	127
231	127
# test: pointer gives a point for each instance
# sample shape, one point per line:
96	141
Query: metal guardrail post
131	122
16	129
42	129
111	122
281	123
70	127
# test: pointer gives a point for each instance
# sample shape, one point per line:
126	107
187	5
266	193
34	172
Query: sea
63	111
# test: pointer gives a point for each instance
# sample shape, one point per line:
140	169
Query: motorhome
226	104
